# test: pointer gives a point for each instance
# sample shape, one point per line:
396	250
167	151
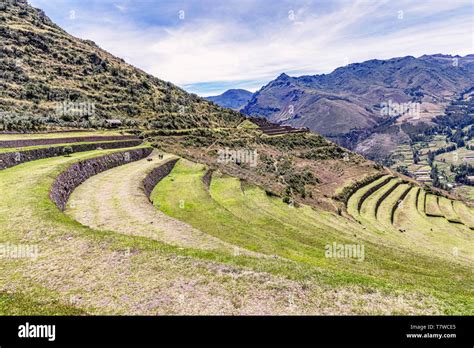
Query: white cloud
213	49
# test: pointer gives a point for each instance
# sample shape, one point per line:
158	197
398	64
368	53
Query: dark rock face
79	172
156	175
11	159
39	142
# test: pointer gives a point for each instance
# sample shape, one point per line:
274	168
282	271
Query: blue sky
209	46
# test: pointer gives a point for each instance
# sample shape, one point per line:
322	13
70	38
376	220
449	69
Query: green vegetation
27	148
44	68
244	215
432	206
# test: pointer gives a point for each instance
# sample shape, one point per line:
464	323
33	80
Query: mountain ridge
233	99
350	98
42	65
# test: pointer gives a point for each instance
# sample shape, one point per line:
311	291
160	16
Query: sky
209	46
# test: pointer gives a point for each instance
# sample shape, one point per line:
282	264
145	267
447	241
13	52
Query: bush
68	151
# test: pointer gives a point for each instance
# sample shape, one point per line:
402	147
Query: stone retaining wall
206	179
10	159
79	172
51	141
156	175
370	191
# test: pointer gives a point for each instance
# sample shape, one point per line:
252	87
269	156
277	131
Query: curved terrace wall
370	191
79	172
348	191
51	141
398	202
10	159
385	195
156	175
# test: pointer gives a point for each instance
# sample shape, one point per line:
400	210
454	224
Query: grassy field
57	135
455	157
244	215
90	271
27	148
432	206
224	249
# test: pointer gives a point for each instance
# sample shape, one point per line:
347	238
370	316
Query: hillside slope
43	66
351	97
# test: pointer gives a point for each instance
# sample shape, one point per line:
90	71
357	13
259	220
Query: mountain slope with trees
43	66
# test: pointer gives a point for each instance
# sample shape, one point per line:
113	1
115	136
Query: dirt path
115	201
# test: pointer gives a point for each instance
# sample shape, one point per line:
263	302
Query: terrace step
465	213
370	206
65	140
432	208
12	157
446	207
390	201
357	198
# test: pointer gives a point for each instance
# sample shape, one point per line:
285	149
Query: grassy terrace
31	136
245	216
385	209
434	234
81	270
432	206
233	246
28	148
368	210
446	207
356	197
465	213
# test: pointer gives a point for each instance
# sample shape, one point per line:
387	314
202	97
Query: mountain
43	66
349	100
233	99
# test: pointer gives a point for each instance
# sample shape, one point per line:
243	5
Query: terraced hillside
14	151
210	243
44	67
396	208
372	202
201	213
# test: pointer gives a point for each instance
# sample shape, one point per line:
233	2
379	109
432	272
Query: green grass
385	209
446	207
432	206
79	261
353	202
465	213
29	148
31	136
368	209
244	215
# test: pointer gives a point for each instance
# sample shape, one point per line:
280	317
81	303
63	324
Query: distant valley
347	104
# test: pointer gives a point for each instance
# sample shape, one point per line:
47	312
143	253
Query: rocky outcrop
51	141
156	175
10	159
79	172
